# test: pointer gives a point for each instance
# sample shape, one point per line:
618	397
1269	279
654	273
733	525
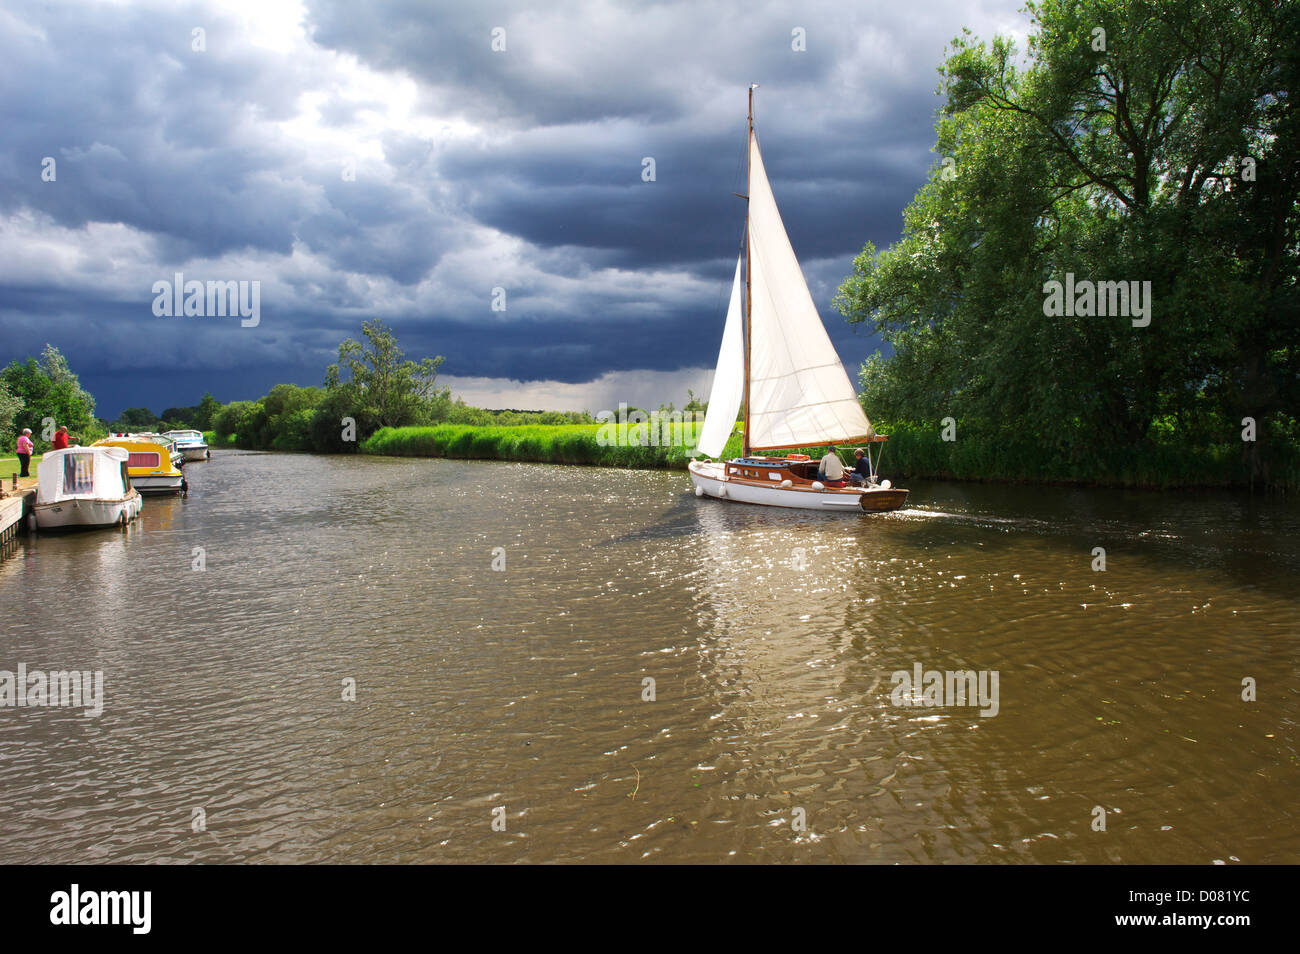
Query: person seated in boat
831	470
861	472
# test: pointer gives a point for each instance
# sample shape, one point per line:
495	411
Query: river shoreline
581	445
912	453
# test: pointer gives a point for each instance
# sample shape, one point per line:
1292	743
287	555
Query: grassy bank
565	444
554	444
9	466
212	440
913	451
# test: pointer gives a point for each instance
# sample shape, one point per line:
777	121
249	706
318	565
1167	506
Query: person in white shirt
831	468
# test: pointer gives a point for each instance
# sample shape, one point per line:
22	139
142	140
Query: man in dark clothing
861	472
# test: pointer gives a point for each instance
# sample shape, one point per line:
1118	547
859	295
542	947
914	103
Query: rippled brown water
523	688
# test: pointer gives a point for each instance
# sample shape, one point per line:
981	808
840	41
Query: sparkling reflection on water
770	636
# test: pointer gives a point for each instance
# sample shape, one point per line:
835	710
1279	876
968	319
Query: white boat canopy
91	472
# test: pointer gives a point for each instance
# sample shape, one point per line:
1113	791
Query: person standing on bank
831	468
25	449
61	438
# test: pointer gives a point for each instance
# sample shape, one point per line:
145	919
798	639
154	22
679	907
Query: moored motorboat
85	487
173	451
190	443
778	363
151	465
178	458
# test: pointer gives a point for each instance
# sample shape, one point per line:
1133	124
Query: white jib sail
729	380
799	393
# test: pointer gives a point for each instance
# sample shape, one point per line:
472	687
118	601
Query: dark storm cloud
575	122
572	71
473	169
148	132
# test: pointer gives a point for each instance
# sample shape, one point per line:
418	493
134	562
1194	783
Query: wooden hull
880	501
714	480
81	512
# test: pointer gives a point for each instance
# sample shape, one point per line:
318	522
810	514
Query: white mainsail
799	393
729	380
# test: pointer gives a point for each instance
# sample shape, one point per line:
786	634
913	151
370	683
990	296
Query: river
500	622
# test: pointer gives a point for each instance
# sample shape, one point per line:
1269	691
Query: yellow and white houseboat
150	465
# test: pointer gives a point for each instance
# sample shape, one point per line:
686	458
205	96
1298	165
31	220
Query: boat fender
818	485
722	491
885	485
787	482
699	491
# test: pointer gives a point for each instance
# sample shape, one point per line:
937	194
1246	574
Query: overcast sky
380	159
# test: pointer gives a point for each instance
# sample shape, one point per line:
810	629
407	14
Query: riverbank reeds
918	450
913	451
555	444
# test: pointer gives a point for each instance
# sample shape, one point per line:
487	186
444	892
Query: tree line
1135	142
37	392
373	385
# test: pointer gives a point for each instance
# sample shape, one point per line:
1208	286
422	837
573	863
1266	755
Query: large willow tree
1135	141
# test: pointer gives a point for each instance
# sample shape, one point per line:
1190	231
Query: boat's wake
973	519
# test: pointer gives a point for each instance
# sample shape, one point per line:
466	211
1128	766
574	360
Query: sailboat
777	360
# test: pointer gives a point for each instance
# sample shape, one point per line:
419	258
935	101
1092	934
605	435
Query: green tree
206	410
1138	141
339	414
49	389
234	419
377	376
177	418
136	419
282	404
10	405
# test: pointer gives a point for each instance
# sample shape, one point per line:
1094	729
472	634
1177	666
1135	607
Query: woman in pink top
25	448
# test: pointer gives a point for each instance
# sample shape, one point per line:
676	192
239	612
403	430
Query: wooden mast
749	146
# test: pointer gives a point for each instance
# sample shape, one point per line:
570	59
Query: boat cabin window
79	473
141	459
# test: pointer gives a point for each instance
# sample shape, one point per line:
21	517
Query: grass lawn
9	466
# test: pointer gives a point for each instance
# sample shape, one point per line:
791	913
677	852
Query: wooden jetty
17	497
